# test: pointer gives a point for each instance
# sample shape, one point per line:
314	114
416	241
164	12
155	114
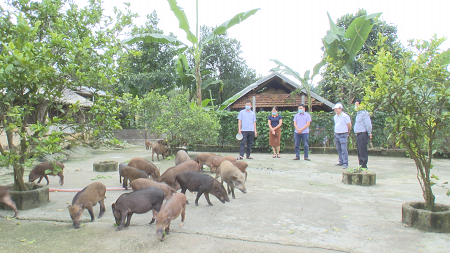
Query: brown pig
241	165
5	198
233	177
39	172
206	159
160	149
142	164
148	145
169	175
181	157
142	183
130	173
87	198
202	184
170	211
218	160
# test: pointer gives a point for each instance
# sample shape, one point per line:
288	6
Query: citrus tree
414	92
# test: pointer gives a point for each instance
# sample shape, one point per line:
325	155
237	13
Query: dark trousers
362	139
305	139
248	137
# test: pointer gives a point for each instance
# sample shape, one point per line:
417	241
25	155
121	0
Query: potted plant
359	176
414	92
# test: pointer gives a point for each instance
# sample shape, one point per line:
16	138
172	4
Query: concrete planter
37	195
361	178
414	215
106	166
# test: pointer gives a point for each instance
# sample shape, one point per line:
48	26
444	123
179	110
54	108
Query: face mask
300	110
274	113
247	107
356	107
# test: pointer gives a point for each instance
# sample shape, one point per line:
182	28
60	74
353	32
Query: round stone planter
36	196
361	178
105	166
414	215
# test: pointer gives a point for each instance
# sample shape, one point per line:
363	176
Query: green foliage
413	91
181	123
195	51
337	83
47	48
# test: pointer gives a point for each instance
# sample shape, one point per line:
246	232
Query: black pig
140	201
201	183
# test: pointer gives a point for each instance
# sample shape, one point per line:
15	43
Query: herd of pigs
151	189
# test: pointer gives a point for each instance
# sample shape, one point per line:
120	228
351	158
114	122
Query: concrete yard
291	206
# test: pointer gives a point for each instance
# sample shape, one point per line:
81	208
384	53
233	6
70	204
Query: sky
291	31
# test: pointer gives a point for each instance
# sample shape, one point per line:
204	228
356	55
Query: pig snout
76	224
160	234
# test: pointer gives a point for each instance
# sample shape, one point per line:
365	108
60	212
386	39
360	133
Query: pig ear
69	206
113	206
234	177
82	205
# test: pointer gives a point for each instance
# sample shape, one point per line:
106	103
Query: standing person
302	120
275	121
247	127
363	131
342	126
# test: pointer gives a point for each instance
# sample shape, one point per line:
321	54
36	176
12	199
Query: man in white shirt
342	126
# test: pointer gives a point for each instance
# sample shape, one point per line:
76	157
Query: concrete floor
291	206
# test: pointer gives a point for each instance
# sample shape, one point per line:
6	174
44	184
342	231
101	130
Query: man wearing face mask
342	126
302	120
363	131
247	127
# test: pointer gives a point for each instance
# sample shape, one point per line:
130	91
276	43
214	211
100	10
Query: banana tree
196	46
187	76
306	80
341	45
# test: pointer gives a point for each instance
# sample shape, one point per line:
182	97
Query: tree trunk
198	79
18	177
422	171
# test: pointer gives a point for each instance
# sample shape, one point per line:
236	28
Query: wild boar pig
218	160
140	201
142	164
160	149
181	157
241	165
121	166
39	172
206	159
87	198
5	198
233	177
169	175
148	145
170	211
142	183
130	173
202	184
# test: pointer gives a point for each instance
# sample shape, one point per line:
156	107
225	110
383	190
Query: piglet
39	172
181	157
130	173
160	149
233	177
148	145
140	201
170	211
142	183
87	198
202	184
218	160
241	165
5	198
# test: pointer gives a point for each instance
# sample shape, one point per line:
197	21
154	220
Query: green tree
223	58
195	50
414	92
47	48
341	79
148	66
